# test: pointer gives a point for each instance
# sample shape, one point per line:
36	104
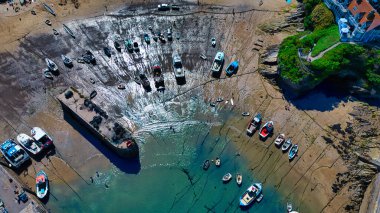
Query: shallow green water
171	178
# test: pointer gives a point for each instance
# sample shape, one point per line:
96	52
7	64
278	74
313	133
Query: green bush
321	17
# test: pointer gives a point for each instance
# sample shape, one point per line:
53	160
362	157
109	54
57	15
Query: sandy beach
26	40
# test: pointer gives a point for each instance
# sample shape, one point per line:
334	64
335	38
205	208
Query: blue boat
232	68
14	154
293	152
49	9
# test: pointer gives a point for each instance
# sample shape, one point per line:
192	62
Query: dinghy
239	179
266	130
279	140
42	184
286	145
293	152
48	74
28	143
226	178
67	61
206	164
245	114
217	162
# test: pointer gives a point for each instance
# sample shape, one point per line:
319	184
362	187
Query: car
170	36
163	7
213	42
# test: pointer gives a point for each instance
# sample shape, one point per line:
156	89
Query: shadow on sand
130	166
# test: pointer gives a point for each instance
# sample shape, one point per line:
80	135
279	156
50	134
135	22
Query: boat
121	86
51	65
251	194
239	179
145	82
92	81
107	51
67	61
163	7
266	130
88	57
293	152
286	145
28	143
177	67
217	162
289	208
232	101
217	64
279	140
128	45
48	22
137	80
147	38
80	60
48	74
155	38
206	164
55	32
33	12
49	9
232	68
41	137
93	94
254	124
68	30
213	42
159	81
117	46
42	184
245	114
226	178
136	47
260	198
203	56
220	99
14	154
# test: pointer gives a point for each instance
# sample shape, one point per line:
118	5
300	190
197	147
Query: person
92	179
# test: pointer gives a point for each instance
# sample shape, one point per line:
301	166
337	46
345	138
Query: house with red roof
358	20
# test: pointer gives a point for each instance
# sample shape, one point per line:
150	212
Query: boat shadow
129	166
181	81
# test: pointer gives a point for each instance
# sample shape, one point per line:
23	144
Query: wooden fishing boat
51	65
48	74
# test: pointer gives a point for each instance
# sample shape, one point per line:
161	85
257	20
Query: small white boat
42	184
67	61
227	177
40	136
286	145
28	143
51	65
217	162
239	179
245	114
279	140
232	101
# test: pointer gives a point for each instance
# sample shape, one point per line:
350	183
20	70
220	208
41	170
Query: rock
269	73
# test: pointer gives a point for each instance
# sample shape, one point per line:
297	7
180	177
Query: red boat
266	130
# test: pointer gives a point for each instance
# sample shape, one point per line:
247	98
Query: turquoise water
171	178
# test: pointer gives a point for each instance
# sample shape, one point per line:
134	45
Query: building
358	20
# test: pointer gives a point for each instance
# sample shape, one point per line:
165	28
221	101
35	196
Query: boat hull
41	194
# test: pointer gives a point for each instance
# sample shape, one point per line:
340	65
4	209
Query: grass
331	37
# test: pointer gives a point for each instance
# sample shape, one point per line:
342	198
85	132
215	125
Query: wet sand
306	181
